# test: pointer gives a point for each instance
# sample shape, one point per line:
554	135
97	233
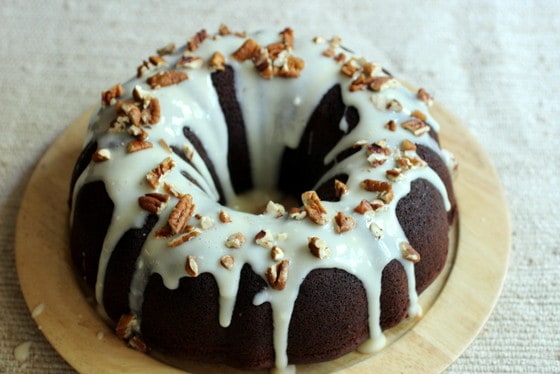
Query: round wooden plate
456	306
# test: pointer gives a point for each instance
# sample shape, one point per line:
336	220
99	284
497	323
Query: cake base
456	305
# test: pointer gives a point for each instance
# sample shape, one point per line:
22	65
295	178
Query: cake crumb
100	335
38	310
21	352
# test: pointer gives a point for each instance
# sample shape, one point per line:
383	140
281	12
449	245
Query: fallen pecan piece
191	267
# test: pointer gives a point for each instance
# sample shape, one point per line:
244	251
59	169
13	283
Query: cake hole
254	201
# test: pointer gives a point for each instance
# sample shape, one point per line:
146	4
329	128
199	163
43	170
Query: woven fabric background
494	64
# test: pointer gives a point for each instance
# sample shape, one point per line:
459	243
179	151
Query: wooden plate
456	307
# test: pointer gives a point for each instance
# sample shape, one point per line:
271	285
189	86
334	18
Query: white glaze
275	113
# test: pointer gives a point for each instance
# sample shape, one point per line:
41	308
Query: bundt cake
260	200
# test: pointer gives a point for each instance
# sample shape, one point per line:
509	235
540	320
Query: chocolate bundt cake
260	200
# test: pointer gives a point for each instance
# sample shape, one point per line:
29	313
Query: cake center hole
254	201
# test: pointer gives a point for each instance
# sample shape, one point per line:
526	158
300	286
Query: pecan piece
247	50
101	155
138	344
314	208
166	78
343	223
197	40
192	233
424	96
217	61
235	240
110	96
277	275
227	262
409	253
126	325
153	202
340	188
224	217
191	267
264	238
318	247
181	214
156	175
407	145
384	189
416	126
138	145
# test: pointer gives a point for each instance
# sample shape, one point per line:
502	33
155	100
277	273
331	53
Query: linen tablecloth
494	64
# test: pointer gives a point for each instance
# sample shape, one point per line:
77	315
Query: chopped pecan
217	61
264	238
181	214
165	146
171	190
139	133
340	188
153	202
424	96
131	110
247	50
235	240
190	62
167	50
157	61
166	78
276	253
152	112
343	223
156	175
227	262
363	207
164	232
376	230
206	222
224	217
384	189
418	114
190	234
394	105
110	96
126	325
191	267
275	209
393	174
318	247
416	126
297	213
196	40
378	153
288	38
138	145
407	145
409	253
381	83
314	207
101	155
277	275
391	125
138	344
350	68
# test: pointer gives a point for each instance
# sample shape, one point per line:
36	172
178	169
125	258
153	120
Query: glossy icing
275	112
